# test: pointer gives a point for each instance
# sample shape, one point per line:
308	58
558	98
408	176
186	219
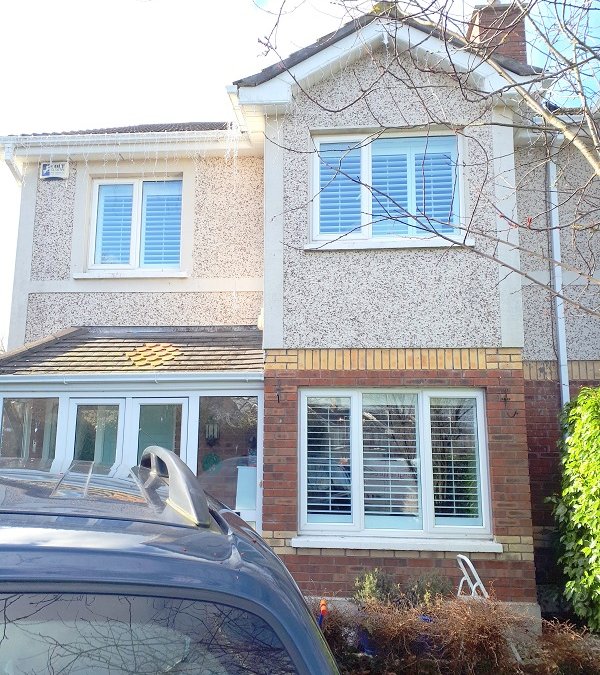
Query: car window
95	633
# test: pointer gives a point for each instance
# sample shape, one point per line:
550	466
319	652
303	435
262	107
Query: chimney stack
499	28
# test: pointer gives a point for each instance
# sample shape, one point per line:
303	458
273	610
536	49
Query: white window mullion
303	460
136	225
61	453
366	190
424	438
412	192
189	452
484	474
358	482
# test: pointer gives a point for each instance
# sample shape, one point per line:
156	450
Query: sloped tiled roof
144	129
355	25
113	349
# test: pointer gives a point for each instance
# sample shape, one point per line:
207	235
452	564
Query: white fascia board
123	144
278	90
111	379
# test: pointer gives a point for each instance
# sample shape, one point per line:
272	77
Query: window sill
465	545
131	274
374	244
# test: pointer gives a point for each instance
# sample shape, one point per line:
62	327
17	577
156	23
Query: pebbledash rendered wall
222	219
388	297
580	249
420	317
498	372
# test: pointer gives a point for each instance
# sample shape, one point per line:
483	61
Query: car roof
82	492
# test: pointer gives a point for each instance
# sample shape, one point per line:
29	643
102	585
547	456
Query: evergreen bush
577	508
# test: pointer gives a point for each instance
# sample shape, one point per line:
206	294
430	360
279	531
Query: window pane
391	213
435	197
390	461
339	185
455	458
29	430
329	469
94	633
227	449
161	223
113	224
160	424
96	433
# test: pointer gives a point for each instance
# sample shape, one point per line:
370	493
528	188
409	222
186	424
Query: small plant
577	509
427	589
375	586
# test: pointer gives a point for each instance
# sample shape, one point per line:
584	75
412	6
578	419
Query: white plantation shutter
339	188
161	224
454	447
390	461
390	188
328	462
435	194
113	224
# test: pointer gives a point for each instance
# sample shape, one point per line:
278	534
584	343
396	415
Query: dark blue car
142	576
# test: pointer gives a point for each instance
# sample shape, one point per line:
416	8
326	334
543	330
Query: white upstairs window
386	188
137	224
393	463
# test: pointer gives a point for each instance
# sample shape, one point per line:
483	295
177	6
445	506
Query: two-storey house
360	213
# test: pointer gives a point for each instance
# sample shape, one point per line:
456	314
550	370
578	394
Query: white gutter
35	141
59	146
130	378
9	158
556	269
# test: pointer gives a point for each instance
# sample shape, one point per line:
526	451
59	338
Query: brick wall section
542	400
499	372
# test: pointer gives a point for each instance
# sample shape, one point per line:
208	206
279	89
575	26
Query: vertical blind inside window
339	188
456	494
113	224
161	224
328	460
390	461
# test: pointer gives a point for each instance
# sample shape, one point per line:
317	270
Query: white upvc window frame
73	403
430	530
136	226
363	237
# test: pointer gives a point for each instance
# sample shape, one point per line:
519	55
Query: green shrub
375	586
577	508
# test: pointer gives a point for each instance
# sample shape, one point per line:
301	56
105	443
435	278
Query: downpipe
556	269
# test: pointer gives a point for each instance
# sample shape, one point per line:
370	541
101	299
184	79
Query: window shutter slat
113	224
161	224
328	460
434	191
389	183
390	461
456	480
339	188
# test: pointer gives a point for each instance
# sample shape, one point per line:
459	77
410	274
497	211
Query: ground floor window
393	462
28	431
215	433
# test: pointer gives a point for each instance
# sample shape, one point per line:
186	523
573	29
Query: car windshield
95	633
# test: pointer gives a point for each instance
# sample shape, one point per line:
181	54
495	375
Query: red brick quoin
510	574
